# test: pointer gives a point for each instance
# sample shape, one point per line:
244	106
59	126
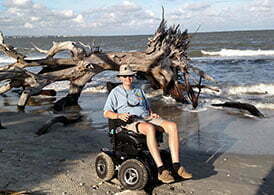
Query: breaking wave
258	89
236	52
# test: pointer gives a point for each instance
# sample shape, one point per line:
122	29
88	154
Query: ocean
242	62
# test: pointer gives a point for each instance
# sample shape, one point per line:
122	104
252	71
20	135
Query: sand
227	152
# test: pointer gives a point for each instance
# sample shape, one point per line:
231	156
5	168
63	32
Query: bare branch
5	88
201	73
78	50
39	50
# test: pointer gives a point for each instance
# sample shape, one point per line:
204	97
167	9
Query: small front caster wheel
104	166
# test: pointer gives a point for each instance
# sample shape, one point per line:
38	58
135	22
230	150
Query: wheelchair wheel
104	166
133	174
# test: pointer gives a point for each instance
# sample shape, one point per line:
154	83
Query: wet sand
227	152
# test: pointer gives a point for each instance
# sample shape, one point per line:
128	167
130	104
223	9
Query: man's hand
123	116
154	115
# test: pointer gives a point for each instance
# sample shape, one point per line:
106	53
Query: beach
227	151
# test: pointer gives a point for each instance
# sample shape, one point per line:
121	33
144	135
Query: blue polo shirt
119	98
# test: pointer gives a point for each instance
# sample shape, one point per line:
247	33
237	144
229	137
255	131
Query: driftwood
12	192
244	106
59	119
162	63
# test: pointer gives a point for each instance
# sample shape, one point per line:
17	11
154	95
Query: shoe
183	173
165	177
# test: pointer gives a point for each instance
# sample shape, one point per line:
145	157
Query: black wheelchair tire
133	174
104	166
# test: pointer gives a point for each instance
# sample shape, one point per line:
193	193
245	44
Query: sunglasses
129	76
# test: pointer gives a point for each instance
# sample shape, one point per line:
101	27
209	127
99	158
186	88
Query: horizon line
119	35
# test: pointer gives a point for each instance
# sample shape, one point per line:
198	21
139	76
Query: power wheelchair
129	158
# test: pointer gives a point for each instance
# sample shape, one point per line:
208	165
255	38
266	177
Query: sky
131	17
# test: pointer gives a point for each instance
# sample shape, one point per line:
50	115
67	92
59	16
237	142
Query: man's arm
110	106
113	115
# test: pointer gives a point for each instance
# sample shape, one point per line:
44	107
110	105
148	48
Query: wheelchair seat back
126	141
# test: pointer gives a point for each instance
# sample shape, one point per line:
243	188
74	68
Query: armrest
114	123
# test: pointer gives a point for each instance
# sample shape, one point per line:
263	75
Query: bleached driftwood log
162	61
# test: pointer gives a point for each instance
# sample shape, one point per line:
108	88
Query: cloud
13	10
129	6
262	6
25	15
191	15
132	17
28	25
190	11
18	3
201	6
79	19
224	15
34	19
123	17
67	13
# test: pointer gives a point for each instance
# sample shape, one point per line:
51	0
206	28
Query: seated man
125	101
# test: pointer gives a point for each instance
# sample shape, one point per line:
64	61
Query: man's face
127	80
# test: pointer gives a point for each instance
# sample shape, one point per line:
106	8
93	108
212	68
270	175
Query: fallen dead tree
162	63
242	106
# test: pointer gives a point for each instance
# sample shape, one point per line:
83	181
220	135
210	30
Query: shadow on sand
267	186
31	162
200	147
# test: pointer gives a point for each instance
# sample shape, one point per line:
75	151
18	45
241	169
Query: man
125	101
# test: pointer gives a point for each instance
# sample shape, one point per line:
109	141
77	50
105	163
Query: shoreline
62	160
